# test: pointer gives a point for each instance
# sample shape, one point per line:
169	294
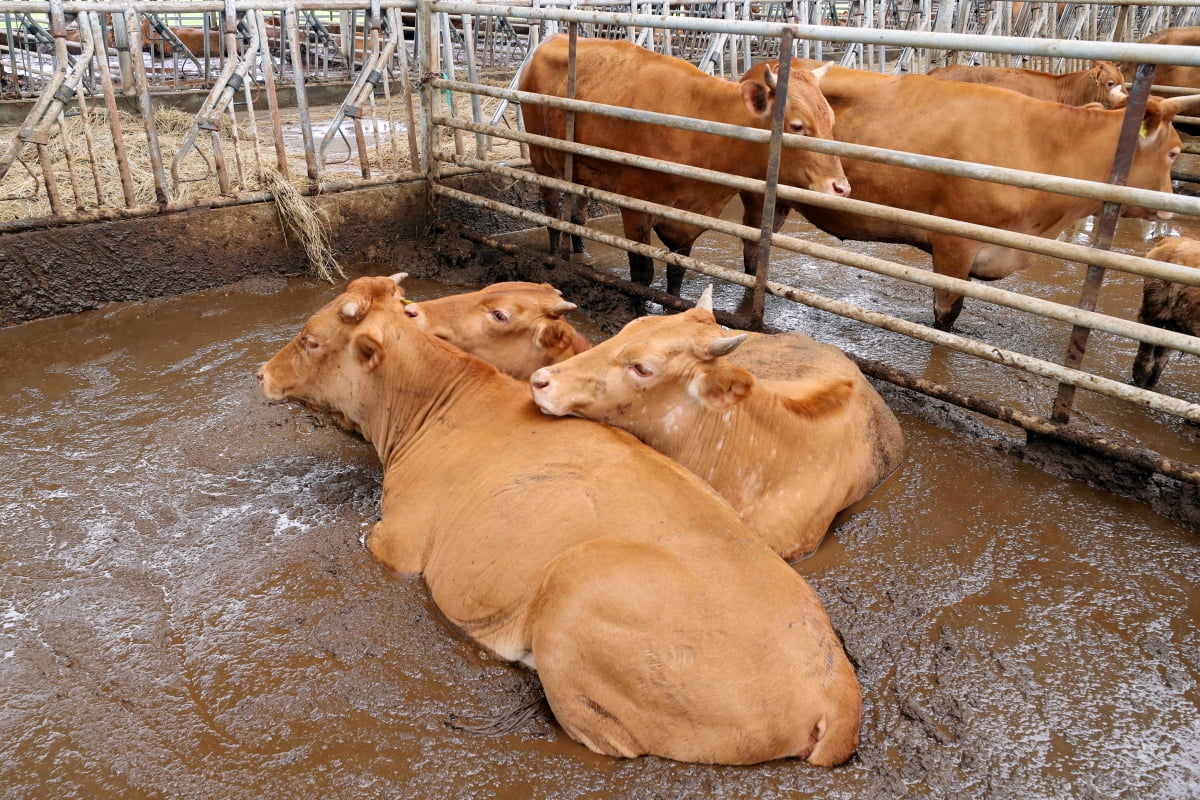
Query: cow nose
412	311
540	379
259	374
841	188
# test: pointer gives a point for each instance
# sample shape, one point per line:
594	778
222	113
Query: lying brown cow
919	114
656	620
1173	306
1170	74
1102	83
622	74
790	434
515	326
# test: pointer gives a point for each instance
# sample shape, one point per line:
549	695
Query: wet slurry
187	609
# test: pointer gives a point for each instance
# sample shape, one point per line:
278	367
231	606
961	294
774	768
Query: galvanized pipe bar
1100	385
1018	302
1055	48
1037	244
96	32
1075	187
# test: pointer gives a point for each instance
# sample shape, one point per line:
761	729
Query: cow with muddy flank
656	620
790	436
622	74
1167	305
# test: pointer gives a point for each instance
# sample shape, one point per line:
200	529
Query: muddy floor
187	609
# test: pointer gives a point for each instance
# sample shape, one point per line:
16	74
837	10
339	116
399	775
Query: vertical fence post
767	228
427	36
1131	127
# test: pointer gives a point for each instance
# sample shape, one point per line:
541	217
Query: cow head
1108	83
323	367
1157	147
516	326
650	376
808	113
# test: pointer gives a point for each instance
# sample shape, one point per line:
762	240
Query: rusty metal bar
767	229
141	86
1122	162
292	25
96	33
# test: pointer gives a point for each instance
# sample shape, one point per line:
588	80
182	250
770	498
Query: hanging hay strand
301	217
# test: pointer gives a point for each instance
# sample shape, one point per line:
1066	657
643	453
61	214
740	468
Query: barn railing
894	41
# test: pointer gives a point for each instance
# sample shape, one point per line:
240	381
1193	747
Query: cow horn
821	71
705	301
769	76
561	307
399	277
350	311
725	345
1177	105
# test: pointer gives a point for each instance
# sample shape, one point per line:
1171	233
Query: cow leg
638	227
752	211
1148	364
952	257
552	207
579	209
683	247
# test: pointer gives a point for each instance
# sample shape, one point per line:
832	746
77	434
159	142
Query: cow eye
500	315
1174	153
641	370
310	342
797	128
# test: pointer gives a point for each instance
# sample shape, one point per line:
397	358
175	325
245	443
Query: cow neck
429	383
719	100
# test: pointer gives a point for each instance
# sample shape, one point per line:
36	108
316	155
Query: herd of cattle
1008	118
620	517
642	576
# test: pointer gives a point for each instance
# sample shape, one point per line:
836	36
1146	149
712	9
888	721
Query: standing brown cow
919	114
622	74
1170	74
1102	83
1172	306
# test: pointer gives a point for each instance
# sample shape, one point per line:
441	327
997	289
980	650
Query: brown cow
192	38
959	121
515	326
1103	83
1170	74
1173	306
657	621
622	74
790	434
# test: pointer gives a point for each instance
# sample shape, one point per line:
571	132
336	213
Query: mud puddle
187	610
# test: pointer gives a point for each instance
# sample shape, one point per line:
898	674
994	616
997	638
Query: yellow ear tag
1142	131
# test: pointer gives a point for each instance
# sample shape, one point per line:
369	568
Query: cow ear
723	386
369	351
555	336
756	98
1151	122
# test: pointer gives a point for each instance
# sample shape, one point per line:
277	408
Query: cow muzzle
545	393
